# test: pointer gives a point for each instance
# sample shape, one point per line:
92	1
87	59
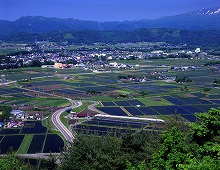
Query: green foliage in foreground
198	149
110	152
11	162
141	166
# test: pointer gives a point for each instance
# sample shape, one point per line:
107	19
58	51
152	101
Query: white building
197	50
18	114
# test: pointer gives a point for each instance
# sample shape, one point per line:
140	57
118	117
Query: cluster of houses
97	68
75	117
16	120
131	79
34	116
98	57
197	54
13	124
184	68
18	117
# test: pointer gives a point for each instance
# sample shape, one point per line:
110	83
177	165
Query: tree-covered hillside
141	35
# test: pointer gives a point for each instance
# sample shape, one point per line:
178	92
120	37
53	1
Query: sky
100	10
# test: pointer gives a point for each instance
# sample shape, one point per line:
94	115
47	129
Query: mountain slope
207	11
189	22
204	19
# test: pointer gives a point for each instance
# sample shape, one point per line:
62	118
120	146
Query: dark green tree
141	166
92	152
173	152
35	63
11	162
198	149
5	112
208	128
110	151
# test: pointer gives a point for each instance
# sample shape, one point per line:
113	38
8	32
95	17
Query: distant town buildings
95	58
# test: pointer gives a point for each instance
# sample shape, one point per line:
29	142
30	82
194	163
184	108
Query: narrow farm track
92	107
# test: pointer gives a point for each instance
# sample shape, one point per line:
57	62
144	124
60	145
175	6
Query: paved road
39	155
7	83
56	115
59	125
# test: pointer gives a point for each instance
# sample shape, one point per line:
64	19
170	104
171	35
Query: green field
154	101
25	144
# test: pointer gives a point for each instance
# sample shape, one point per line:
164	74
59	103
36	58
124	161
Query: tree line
140	35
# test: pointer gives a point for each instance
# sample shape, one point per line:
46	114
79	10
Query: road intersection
68	135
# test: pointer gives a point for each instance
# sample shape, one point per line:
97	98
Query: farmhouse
34	116
18	114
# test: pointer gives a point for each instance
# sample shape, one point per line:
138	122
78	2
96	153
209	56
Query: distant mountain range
204	19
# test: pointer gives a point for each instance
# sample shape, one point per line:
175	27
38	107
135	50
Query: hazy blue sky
101	10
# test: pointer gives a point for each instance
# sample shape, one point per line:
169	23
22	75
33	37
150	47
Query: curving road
56	116
59	125
92	107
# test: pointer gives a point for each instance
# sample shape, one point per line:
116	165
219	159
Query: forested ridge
204	37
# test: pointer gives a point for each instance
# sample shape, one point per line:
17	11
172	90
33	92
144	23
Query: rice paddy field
33	137
106	87
157	97
184	106
111	126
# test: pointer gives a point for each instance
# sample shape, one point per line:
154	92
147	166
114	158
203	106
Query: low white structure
18	114
197	50
131	118
114	64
